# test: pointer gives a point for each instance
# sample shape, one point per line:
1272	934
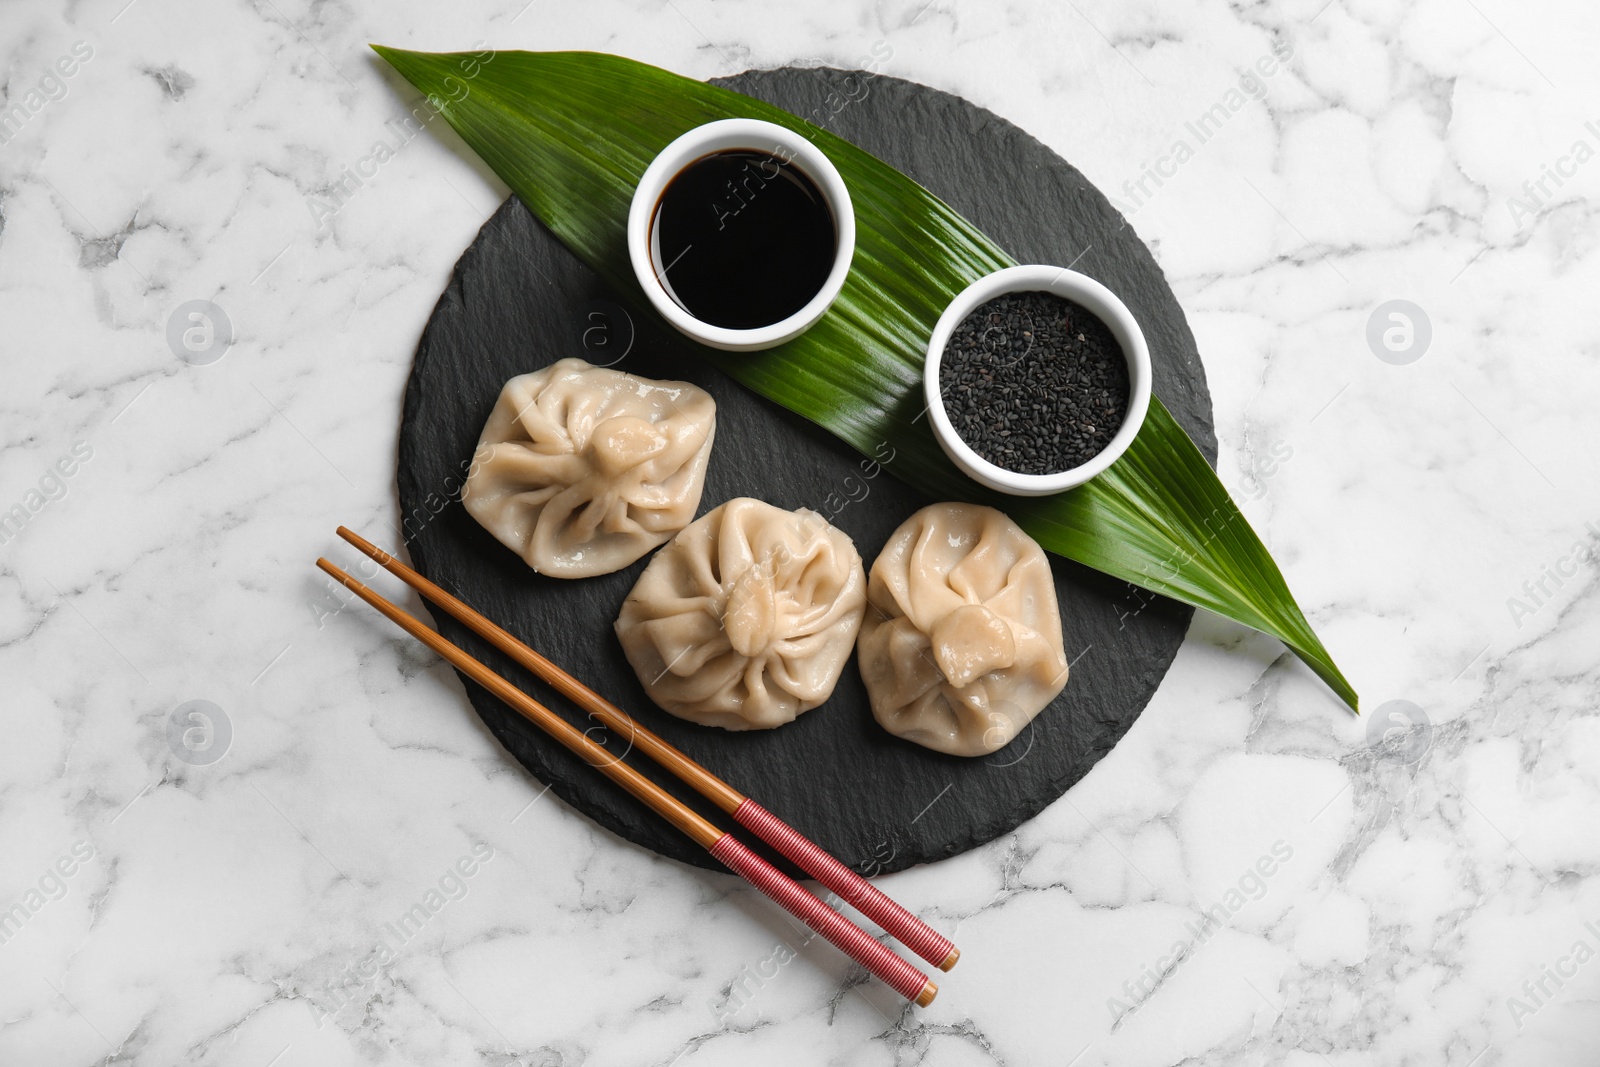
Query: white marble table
1432	901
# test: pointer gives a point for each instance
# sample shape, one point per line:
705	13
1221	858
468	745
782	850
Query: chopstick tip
925	997
950	960
366	547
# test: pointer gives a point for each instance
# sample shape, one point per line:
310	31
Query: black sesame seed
1035	383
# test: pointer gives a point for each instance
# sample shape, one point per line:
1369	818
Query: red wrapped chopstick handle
849	938
853	889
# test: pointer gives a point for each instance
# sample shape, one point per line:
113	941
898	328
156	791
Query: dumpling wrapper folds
961	645
581	470
747	618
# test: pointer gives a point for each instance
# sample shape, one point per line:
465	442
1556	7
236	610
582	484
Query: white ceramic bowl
722	136
1082	290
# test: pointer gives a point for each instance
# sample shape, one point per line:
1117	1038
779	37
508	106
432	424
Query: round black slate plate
519	300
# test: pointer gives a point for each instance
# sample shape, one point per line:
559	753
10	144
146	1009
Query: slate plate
519	300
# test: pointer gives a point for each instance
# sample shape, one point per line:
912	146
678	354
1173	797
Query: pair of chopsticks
911	931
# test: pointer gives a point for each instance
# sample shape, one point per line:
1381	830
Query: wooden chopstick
727	849
855	890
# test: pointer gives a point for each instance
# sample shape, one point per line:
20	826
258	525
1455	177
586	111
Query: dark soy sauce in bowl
743	239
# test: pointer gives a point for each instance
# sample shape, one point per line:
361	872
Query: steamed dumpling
747	618
961	646
581	470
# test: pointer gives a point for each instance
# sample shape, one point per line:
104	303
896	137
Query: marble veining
242	824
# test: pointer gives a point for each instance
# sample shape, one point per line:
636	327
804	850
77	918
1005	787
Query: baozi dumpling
747	618
581	470
961	646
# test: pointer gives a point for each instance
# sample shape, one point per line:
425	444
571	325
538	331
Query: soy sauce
743	239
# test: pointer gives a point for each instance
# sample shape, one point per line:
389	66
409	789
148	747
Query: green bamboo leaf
572	132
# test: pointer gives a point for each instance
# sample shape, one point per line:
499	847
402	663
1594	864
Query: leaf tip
390	55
